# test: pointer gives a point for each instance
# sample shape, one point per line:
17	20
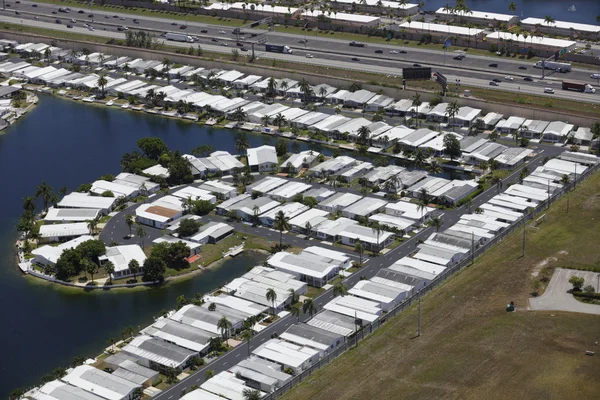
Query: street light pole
419	296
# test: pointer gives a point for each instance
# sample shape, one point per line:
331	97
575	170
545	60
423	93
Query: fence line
353	340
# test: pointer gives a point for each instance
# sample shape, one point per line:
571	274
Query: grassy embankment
471	348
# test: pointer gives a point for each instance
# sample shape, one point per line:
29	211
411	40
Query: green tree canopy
172	254
152	147
452	146
180	170
188	227
154	269
202	207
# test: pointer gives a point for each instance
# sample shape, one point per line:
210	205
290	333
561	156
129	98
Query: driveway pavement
557	296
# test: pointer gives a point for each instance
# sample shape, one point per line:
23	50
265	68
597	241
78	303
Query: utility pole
524	230
419	296
472	248
548	200
575	180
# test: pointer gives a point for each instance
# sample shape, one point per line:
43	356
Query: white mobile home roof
558	128
121	256
340	200
419	137
289	190
84	200
378	292
564	167
327	253
334	322
290	210
306	264
292	113
266	185
364	19
226	385
70	215
201	394
393	221
99	382
64	230
527	192
284	353
354	307
440	28
365	206
563	25
53	253
194	193
352	126
158	351
261	155
500	212
534	40
310	118
314	216
57	390
416	264
240	305
476	14
183	335
330	123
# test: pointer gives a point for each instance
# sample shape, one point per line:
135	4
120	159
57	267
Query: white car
72	20
508	78
224	44
393	52
309	56
548	90
595	76
221	32
90	28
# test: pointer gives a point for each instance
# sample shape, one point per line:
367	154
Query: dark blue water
586	10
65	144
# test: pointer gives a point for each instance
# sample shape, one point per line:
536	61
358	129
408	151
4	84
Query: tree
364	134
154	269
281	148
577	282
309	307
240	115
272	297
129	221
452	146
419	159
496	180
282	223
452	109
377	230
109	268
134	267
310	201
416	103
173	254
90	267
595	129
188	227
306	89
152	147
437	222
44	192
272	87
359	249
293	296
180	170
296	311
340	290
92	224
548	20
202	207
242	144
434	167
247	336
209	374
512	6
252	394
203	150
141	233
279	120
102	81
212	307
266	120
224	326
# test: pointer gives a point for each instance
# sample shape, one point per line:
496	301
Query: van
548	90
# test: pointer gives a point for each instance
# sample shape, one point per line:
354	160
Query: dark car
174	23
528	79
522	67
493	65
34	5
58	21
355	59
417	65
403	51
204	31
18	2
54	12
244	49
378	51
115	16
17	13
182	27
497	80
239	44
70	26
253	34
214	40
80	12
90	15
136	21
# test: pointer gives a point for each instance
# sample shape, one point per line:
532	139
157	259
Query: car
493	83
417	65
595	76
80	12
122	28
136	21
508	78
58	21
355	59
238	44
90	28
528	79
72	20
561	70
90	15
70	26
548	90
122	19
107	16
204	31
222	32
182	26
174	23
302	41
36	17
214	40
493	65
244	49
309	55
34	5
115	16
522	67
496	80
403	52
54	12
378	51
393	52
459	57
224	44
242	38
17	13
253	34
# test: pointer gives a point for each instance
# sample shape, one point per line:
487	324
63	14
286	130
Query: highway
474	70
373	265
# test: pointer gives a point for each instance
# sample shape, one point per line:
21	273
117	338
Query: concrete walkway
557	296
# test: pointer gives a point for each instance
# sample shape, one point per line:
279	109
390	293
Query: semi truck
179	37
278	48
356	44
561	67
578	86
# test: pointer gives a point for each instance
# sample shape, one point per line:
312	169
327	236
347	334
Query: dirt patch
538	267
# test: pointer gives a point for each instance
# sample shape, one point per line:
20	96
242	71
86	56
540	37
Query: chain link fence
367	329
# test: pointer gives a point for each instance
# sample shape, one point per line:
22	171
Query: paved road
371	268
473	71
557	296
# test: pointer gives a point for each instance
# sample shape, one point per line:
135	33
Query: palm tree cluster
154	97
282	223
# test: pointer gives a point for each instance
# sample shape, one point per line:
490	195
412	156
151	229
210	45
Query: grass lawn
313	291
213	252
471	348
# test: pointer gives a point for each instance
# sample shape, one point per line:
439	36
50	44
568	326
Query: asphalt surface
557	296
372	266
472	71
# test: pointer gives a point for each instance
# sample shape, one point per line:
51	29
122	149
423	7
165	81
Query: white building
288	355
195	194
49	255
262	159
310	268
62	232
160	212
84	200
121	256
100	383
290	210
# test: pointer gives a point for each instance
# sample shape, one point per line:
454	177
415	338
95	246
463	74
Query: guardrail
448	272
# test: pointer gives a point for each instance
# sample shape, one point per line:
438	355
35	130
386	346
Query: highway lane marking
237	355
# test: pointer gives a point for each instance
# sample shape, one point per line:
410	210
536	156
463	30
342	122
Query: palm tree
306	90
150	95
437	222
279	120
266	120
224	326
242	144
271	87
134	267
308	228
239	115
309	307
364	134
272	297
359	249
109	268
496	180
44	192
166	67
420	158
293	296
416	103
129	222
282	223
296	310
452	109
251	394
247	336
322	93
102	81
377	229
548	20
29	204
340	290
565	180
141	233
92	224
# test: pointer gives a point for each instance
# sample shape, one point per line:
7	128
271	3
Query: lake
586	10
66	143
